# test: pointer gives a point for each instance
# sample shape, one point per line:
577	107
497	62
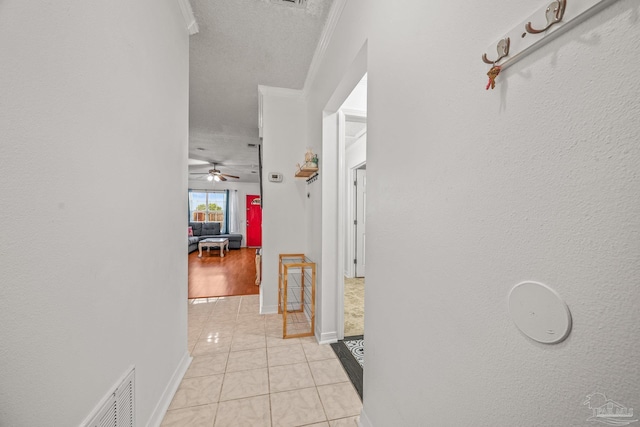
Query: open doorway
345	142
352	127
336	182
354	286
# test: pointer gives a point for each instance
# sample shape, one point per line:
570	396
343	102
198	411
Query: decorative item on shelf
309	167
310	159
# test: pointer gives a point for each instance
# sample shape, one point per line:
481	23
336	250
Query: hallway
244	374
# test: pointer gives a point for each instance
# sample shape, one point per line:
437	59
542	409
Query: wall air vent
293	3
116	409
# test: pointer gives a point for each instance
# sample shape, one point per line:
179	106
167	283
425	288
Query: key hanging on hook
493	73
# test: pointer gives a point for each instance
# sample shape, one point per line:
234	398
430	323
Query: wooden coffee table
214	242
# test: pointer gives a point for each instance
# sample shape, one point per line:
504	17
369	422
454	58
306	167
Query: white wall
536	180
283	218
94	276
243	189
357	100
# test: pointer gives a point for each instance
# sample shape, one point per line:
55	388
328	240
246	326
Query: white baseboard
364	420
327	337
169	391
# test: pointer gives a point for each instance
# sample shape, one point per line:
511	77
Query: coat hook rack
548	22
503	50
554	14
312	178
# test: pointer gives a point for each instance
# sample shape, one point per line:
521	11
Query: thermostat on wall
275	177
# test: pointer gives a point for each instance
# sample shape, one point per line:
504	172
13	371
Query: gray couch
205	230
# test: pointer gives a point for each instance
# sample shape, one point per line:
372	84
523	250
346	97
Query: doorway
351	119
336	184
354	285
254	221
352	129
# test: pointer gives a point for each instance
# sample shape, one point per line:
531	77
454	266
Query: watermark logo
607	411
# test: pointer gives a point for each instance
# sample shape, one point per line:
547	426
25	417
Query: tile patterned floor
244	374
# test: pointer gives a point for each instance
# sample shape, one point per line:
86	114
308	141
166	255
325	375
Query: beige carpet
353	306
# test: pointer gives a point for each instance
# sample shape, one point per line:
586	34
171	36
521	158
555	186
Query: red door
254	222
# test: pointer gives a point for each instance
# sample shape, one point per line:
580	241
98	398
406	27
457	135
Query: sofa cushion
193	240
210	228
232	237
197	228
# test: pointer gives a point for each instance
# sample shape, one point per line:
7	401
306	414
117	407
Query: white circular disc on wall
539	312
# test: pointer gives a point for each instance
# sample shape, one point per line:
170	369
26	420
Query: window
208	206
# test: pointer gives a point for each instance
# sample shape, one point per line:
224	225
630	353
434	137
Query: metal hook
554	14
503	50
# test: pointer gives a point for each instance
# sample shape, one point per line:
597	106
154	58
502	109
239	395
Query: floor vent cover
117	410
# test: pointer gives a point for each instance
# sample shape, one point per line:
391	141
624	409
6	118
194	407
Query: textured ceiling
243	44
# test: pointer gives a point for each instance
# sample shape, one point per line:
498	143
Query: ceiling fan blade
222	178
230	176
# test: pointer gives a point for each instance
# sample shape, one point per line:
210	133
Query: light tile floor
244	374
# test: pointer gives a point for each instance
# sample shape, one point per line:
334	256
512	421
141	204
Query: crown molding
327	33
189	17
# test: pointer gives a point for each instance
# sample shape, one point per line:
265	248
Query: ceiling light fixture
217	178
209	178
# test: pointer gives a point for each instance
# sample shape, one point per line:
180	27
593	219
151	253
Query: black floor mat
349	351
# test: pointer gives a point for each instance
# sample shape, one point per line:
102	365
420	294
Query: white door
361	195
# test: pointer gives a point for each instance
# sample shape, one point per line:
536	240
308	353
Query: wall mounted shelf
305	172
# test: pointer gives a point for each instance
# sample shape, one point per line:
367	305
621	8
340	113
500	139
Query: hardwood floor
213	276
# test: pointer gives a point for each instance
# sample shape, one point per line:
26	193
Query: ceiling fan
215	175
